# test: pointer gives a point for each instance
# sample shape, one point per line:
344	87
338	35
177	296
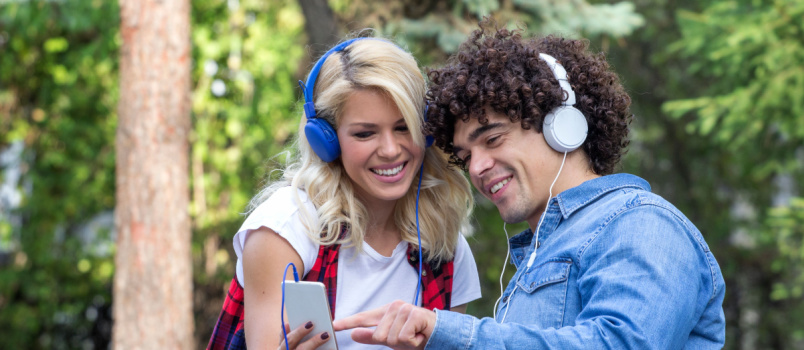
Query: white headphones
564	127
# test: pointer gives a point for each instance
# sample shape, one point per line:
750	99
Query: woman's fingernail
324	336
308	325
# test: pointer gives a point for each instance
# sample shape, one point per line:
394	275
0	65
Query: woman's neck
381	232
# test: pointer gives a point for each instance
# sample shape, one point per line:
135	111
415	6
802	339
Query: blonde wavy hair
445	200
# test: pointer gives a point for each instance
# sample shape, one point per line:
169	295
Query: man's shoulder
630	211
623	192
635	201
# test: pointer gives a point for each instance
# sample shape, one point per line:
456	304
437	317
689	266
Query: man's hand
399	325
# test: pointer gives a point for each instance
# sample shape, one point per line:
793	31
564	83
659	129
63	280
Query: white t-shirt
383	279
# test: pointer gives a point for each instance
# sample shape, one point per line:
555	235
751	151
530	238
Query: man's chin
510	218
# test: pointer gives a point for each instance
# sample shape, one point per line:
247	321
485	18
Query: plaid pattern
436	281
325	270
229	333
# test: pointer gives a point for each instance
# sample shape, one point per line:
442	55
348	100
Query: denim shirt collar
579	196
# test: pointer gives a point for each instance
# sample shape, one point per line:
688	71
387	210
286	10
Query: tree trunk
319	24
152	307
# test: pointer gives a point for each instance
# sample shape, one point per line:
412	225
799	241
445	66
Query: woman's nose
389	146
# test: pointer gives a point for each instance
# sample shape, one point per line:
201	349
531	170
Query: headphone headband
309	108
561	75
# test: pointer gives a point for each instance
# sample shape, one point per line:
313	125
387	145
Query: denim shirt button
538	244
505	300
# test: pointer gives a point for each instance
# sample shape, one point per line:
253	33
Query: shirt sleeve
283	215
465	281
644	284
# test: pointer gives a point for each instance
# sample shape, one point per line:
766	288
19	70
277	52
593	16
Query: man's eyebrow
477	133
483	129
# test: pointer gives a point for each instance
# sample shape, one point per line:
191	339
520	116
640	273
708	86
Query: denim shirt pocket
546	286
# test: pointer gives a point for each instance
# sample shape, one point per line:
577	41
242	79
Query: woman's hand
297	334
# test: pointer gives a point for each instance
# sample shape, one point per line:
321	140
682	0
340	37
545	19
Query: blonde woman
344	211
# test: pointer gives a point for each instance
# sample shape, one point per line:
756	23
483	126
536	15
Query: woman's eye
363	134
403	128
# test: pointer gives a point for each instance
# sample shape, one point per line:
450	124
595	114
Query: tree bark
152	306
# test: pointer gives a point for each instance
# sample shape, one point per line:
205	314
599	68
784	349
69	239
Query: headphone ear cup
323	139
428	139
565	129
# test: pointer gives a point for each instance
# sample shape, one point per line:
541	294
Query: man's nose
480	163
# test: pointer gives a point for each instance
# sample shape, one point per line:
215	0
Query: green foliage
255	49
236	132
450	23
58	93
787	228
746	110
752	55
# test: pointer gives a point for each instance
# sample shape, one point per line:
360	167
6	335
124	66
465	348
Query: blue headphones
320	134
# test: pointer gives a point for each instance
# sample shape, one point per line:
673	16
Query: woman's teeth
388	172
499	185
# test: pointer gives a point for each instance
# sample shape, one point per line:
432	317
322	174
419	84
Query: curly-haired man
540	126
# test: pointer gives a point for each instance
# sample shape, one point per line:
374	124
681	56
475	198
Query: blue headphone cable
419	235
282	311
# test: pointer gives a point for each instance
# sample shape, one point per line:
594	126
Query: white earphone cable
535	248
505	262
539	226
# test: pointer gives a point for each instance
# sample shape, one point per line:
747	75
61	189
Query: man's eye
465	162
493	140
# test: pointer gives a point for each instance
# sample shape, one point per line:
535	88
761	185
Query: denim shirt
617	267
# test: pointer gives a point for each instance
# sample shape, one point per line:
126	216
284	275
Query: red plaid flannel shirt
229	334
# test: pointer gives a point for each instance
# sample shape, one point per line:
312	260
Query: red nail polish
308	325
324	336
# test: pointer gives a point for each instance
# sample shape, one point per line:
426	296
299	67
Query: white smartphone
305	302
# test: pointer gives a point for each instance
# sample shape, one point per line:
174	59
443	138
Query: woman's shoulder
463	252
280	208
285	201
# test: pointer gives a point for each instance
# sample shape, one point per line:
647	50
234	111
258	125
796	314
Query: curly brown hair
496	68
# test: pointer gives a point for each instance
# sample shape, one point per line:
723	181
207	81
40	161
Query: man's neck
575	172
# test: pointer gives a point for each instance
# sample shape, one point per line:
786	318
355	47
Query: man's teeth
388	172
499	185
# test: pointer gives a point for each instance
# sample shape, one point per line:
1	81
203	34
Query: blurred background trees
718	90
